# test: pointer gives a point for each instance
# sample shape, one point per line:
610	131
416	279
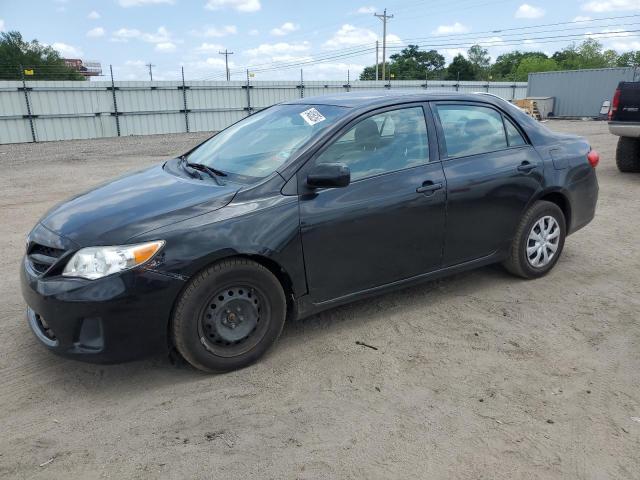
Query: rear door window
471	129
513	135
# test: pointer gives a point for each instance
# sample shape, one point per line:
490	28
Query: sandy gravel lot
479	376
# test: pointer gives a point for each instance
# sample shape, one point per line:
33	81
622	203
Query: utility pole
150	65
384	17
226	54
377	59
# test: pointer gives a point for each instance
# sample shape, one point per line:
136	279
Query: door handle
429	188
526	167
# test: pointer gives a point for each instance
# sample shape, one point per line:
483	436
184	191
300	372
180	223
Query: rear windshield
259	144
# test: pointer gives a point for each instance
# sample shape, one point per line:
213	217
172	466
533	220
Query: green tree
507	64
410	64
461	68
369	73
480	59
629	59
534	64
414	64
45	62
588	54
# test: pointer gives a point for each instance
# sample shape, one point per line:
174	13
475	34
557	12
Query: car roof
384	97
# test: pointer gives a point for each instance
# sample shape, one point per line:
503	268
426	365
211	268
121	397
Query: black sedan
298	208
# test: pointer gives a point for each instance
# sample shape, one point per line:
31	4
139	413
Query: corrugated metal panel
67	110
579	93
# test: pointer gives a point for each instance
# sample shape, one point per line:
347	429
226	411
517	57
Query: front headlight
98	262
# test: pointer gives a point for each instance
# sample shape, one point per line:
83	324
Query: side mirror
329	175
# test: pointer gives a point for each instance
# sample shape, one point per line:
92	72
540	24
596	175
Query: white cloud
93	15
611	5
96	32
617	39
124	34
209	48
291	58
1	25
621	46
457	27
365	10
253	32
529	11
213	62
161	35
135	63
210	66
318	71
280	48
67	51
165	47
285	29
215	32
581	18
239	5
141	3
348	35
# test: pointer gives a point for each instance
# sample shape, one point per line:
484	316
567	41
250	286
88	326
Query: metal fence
580	93
64	110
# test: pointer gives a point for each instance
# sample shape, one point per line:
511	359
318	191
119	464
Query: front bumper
114	319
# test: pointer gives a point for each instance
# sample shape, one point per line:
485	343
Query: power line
355	50
470	42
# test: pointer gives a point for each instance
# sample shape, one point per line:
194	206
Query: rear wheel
628	154
229	316
538	242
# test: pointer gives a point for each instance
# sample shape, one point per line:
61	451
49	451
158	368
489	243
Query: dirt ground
480	376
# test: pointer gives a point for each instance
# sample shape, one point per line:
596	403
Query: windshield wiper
212	172
207	168
192	172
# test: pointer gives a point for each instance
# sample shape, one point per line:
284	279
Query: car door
492	174
388	223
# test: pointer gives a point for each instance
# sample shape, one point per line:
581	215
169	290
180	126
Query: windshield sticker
312	116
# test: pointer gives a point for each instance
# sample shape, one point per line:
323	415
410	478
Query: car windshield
259	144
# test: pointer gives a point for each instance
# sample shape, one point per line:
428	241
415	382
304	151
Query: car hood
123	208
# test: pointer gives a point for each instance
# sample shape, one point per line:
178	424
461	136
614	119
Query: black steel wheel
229	315
230	320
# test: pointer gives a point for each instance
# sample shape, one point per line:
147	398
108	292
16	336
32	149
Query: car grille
42	257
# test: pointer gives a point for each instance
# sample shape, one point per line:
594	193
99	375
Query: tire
628	155
228	316
518	261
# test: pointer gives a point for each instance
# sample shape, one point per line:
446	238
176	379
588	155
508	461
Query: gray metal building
579	93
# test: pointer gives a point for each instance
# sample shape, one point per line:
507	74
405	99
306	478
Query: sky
273	37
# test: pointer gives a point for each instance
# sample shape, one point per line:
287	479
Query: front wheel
229	315
538	242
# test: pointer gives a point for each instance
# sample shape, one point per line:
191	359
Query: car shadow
162	370
360	311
